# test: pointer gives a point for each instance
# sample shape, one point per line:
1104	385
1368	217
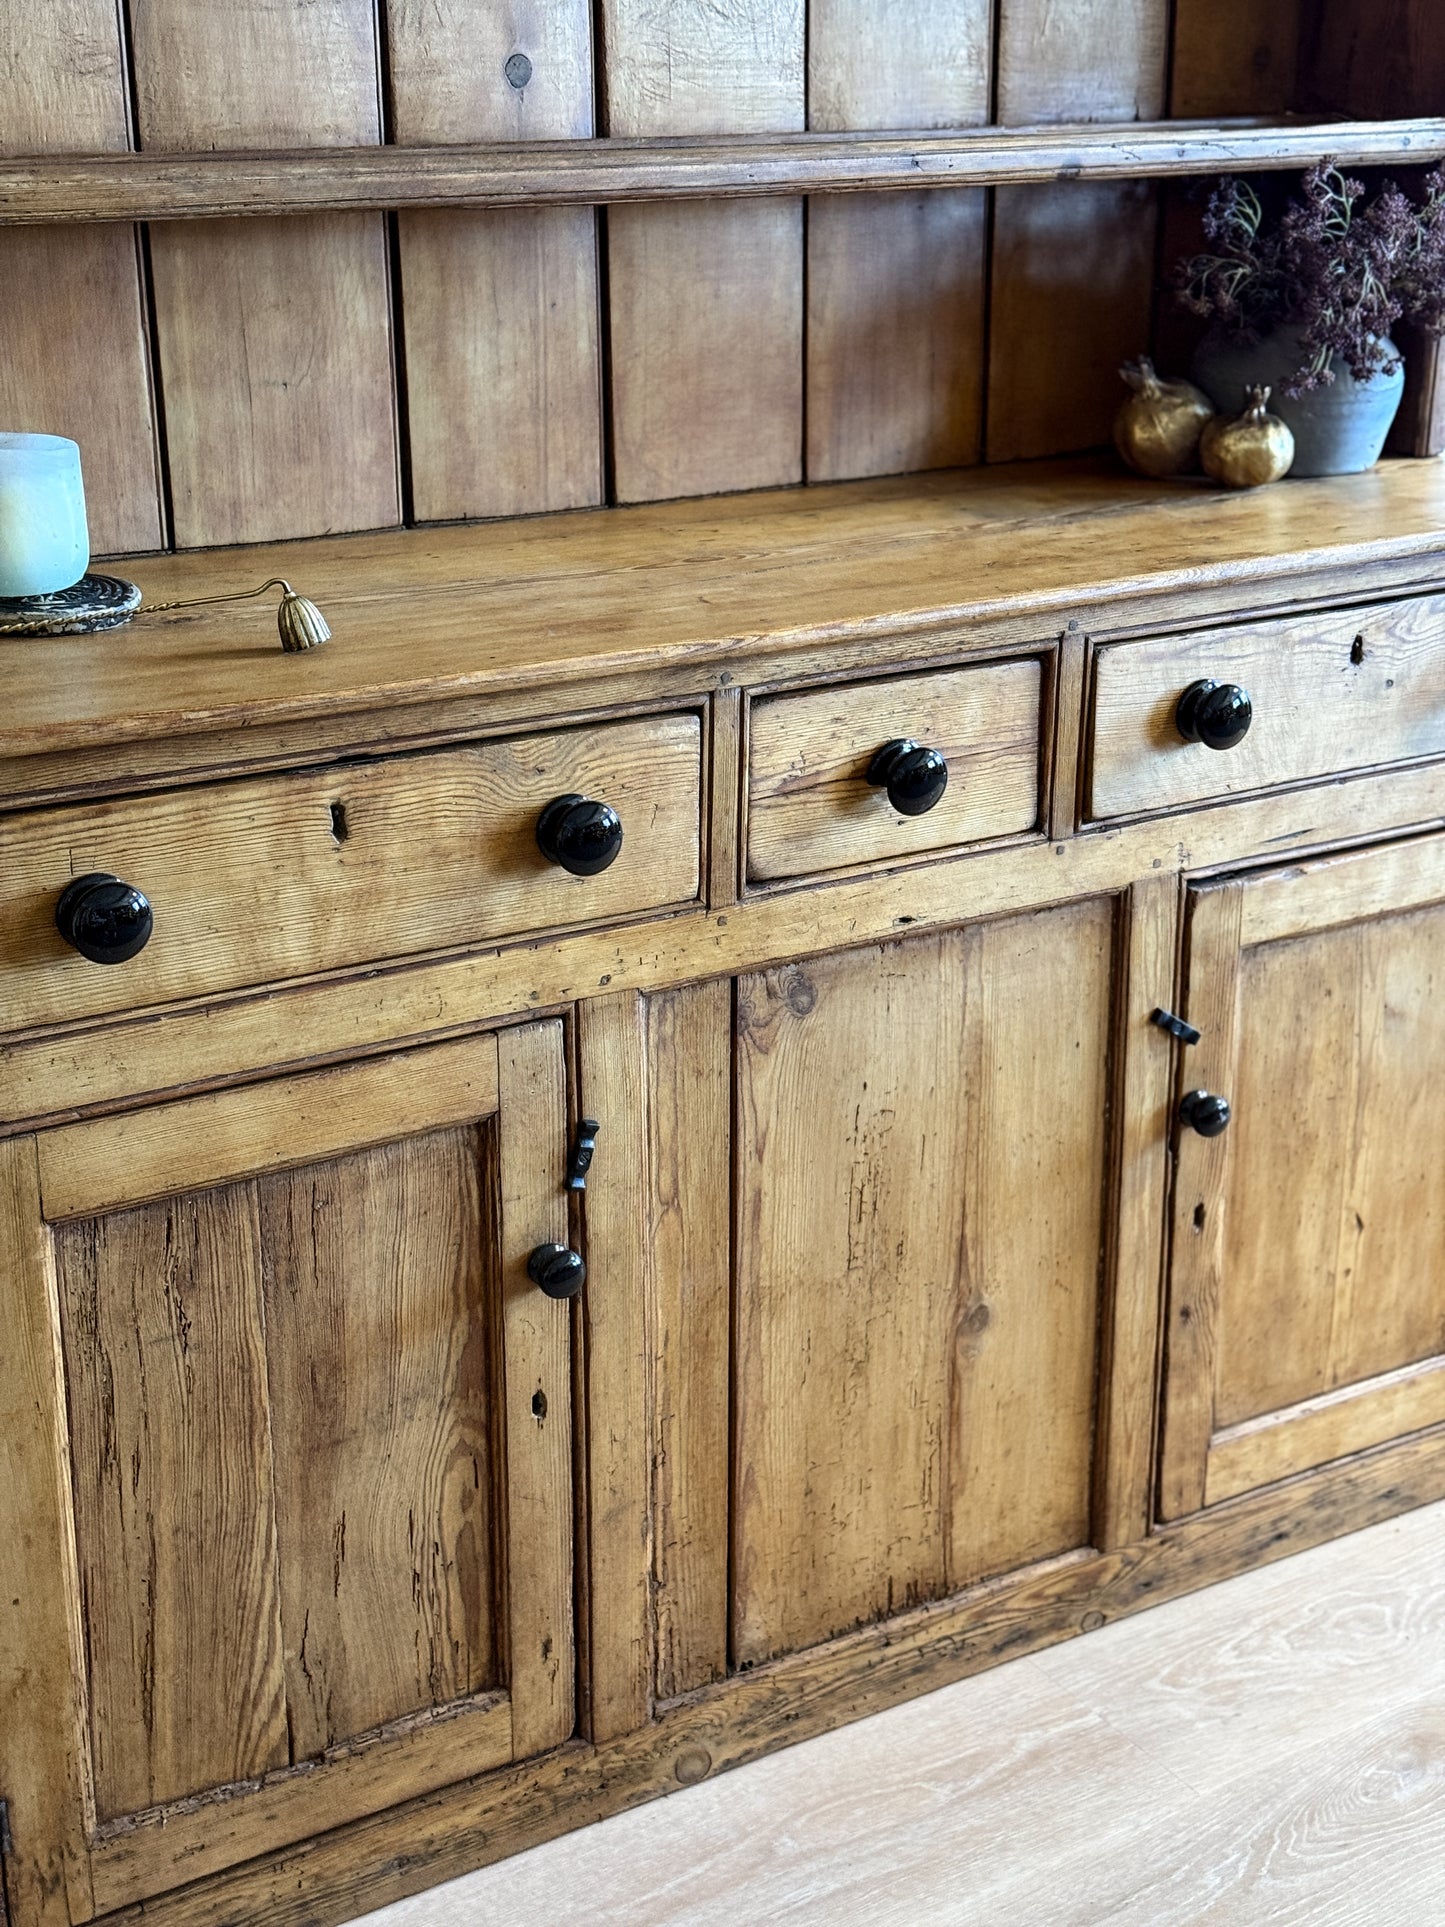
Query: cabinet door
920	1159
285	1462
1307	1304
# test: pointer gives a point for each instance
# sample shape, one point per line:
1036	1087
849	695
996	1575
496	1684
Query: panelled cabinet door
285	1436
1307	1303
920	1165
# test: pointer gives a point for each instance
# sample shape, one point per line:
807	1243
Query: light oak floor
1269	1751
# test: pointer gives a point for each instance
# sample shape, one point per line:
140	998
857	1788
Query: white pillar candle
44	541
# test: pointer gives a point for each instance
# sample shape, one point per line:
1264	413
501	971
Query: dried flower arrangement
1342	269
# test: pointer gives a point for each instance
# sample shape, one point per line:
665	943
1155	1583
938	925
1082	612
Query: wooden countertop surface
425	613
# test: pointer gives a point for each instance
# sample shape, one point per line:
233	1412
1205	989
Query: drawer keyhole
340	828
1357	651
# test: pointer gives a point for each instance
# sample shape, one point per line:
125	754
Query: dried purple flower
1342	272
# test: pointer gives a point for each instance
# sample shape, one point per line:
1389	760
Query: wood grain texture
87	1169
895	332
77	363
61	1075
500	310
875	63
1133	1329
537	1349
804	582
320	898
1316	707
44	1755
379	1297
903	1257
1263	1736
1024	1344
725	798
707	374
175	1520
689	1235
72	305
501	336
294	76
1376	60
446	64
358	1866
276	365
1202	1171
1099	60
706	300
573	173
1231	57
620	1322
811	807
1073	274
688	67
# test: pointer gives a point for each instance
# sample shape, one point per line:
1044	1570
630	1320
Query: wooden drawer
276	877
1339	690
811	807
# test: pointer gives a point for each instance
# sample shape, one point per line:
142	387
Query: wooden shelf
154	187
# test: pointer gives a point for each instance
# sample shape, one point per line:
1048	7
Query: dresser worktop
695	591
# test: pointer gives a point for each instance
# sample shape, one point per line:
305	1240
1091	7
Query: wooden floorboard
1272	1749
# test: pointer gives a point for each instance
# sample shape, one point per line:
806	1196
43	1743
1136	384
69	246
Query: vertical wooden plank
256	75
500	328
706	298
689	1075
1066	775
619	1381
175	1528
500	318
895	336
275	354
707	366
42	1719
1201	1177
848	1159
274	336
378	1298
1081	60
76	363
1233	57
895	331
536	1343
1073	270
1025	1340
1073	265
71	305
725	780
1129	1372
882	64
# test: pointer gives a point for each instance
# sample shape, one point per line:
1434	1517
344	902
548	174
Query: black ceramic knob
103	918
914	777
1202	1111
1217	714
583	836
558	1270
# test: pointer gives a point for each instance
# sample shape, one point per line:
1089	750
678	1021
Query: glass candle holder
44	540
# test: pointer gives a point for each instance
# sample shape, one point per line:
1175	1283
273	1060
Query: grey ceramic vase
1338	429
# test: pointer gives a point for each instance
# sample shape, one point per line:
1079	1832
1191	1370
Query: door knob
104	919
1202	1111
914	776
558	1270
583	836
1217	714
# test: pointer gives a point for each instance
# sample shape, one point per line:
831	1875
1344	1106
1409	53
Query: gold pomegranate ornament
1248	450
1157	429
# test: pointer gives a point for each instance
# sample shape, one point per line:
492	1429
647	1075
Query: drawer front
277	877
811	806
1339	690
